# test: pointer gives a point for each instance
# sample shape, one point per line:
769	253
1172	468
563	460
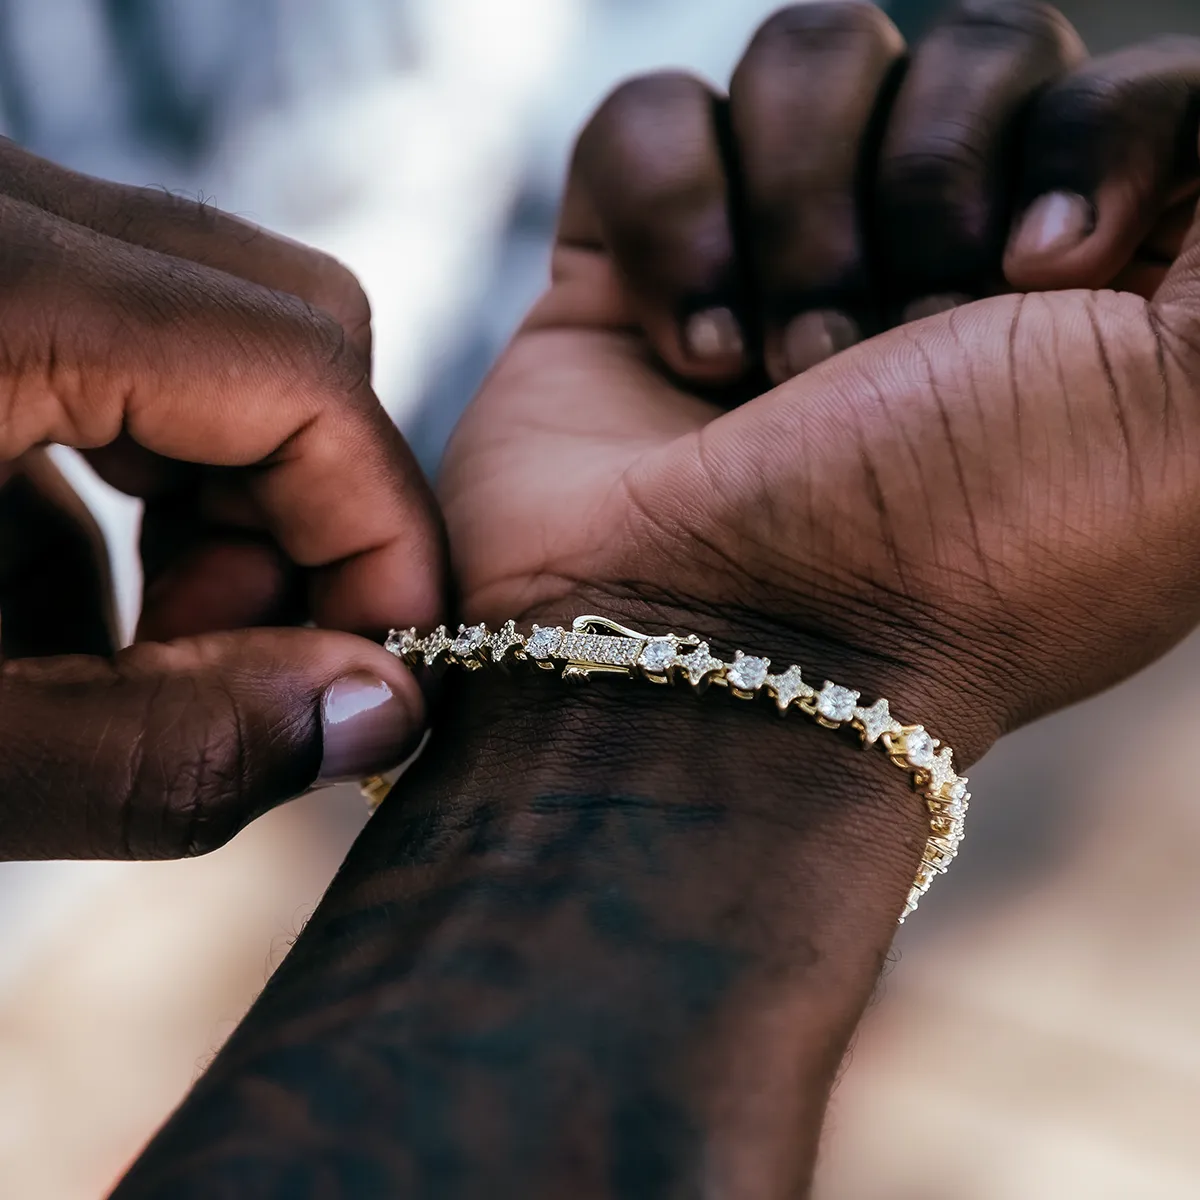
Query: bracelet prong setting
596	646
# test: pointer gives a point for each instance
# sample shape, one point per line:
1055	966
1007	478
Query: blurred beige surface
1040	1036
109	1021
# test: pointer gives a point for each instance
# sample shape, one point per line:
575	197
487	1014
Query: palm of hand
965	494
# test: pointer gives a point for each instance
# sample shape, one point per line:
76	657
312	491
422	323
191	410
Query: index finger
100	338
192	229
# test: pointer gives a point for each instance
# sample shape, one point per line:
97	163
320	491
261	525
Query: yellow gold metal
375	791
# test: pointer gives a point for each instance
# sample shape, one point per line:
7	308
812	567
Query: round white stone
918	748
748	674
659	655
542	643
836	703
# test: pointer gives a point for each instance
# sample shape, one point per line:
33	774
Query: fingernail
713	333
1053	224
366	729
812	338
932	306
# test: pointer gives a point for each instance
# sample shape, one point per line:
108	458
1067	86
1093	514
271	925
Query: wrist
715	886
869	654
526	738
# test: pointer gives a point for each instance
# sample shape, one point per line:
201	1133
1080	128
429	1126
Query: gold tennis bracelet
596	646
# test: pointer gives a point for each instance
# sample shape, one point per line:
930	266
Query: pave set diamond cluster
597	646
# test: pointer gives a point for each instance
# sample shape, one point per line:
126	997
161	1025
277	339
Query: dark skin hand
221	375
615	942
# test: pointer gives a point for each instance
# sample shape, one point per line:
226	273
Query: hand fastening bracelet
596	646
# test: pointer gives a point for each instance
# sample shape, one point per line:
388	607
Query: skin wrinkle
648	515
1060	375
1014	373
769	540
150	775
959	472
943	163
234	767
900	426
1132	462
886	532
1164	382
1185	368
133	753
967	357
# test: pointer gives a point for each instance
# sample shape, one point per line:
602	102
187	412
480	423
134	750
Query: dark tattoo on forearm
505	1002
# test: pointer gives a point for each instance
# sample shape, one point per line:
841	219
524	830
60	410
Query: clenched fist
993	511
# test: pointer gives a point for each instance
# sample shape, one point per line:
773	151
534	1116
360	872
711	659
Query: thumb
167	751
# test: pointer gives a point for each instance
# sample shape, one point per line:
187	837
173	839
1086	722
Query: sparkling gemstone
659	655
401	642
503	640
958	793
435	645
700	664
918	748
876	721
748	674
836	703
543	643
469	640
789	687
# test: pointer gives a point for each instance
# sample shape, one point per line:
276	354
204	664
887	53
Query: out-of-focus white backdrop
1038	1039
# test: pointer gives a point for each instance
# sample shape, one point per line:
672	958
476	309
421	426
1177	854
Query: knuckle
630	101
940	210
242	247
652	146
1138	86
338	290
1005	18
320	347
640	121
1084	104
944	170
826	23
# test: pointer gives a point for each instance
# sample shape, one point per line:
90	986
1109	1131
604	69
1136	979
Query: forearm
612	941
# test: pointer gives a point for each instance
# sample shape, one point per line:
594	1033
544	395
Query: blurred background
1038	1035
